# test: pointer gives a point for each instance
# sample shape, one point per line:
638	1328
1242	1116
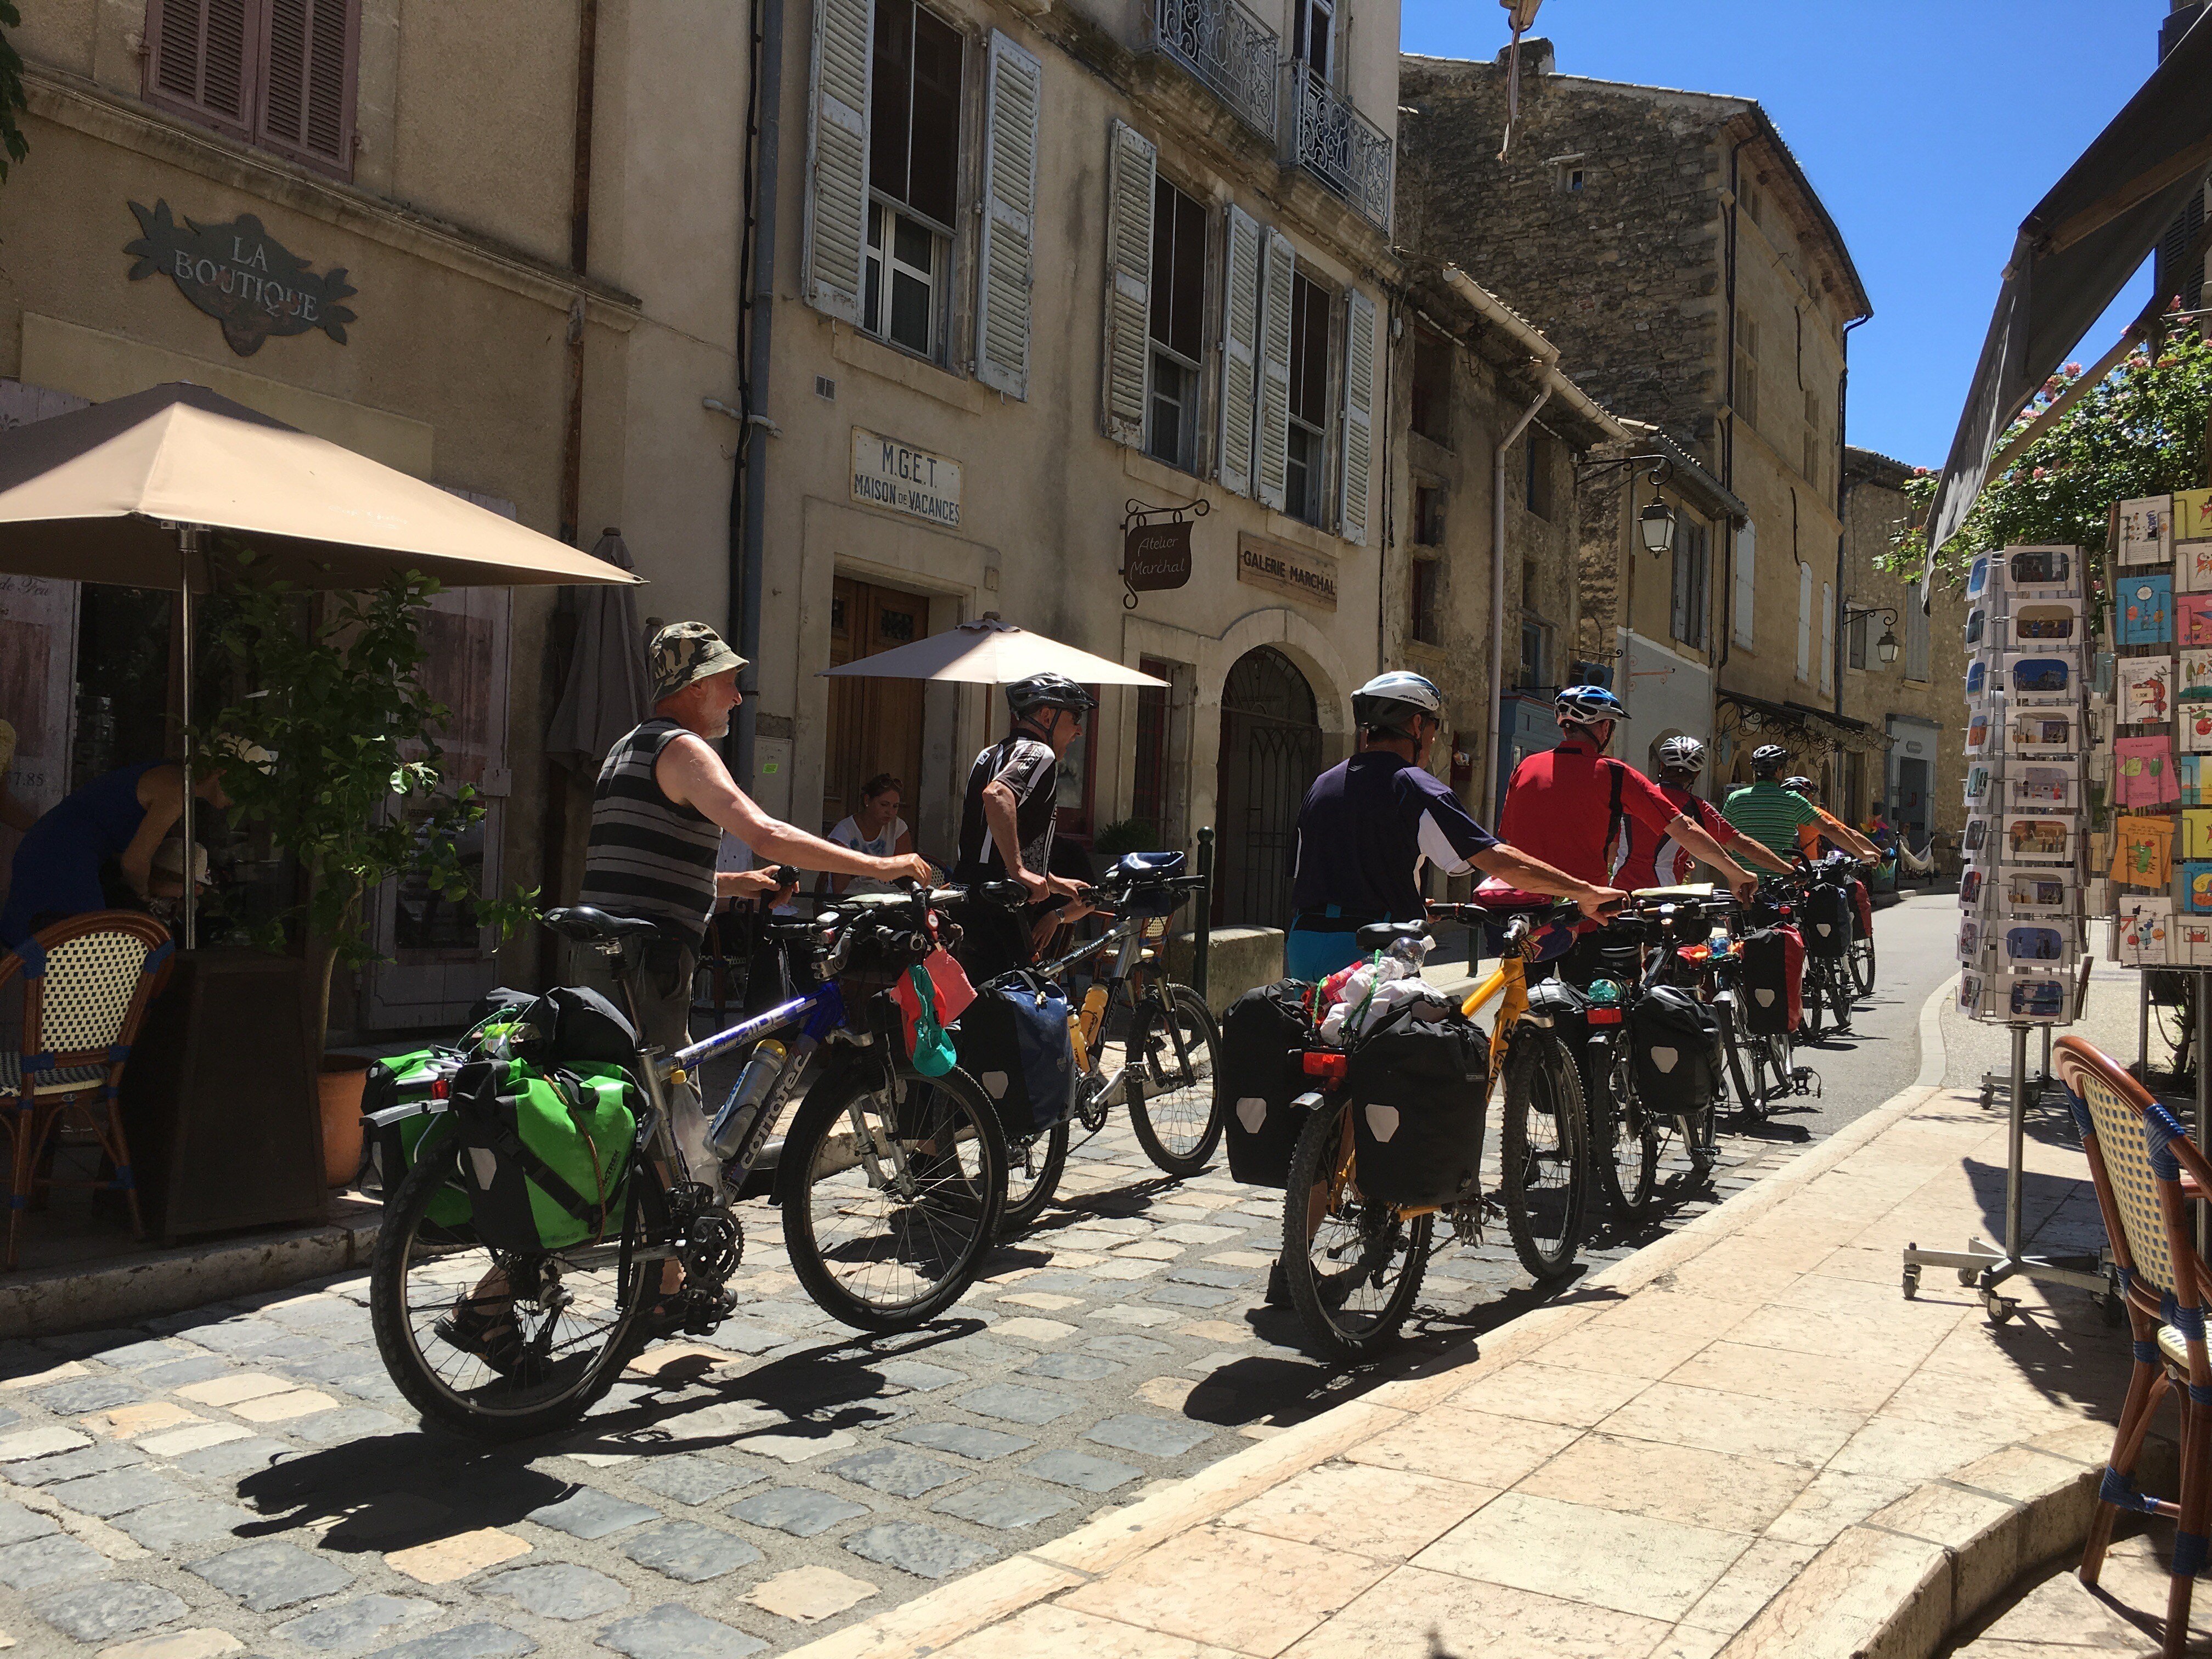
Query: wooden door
875	725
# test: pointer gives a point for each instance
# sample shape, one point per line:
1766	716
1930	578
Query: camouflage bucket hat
685	652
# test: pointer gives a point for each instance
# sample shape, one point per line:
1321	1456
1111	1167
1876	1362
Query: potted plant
356	792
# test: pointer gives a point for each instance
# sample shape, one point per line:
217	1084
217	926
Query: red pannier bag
1771	985
1864	900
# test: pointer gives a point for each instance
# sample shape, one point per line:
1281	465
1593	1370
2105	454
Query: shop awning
2075	253
1819	725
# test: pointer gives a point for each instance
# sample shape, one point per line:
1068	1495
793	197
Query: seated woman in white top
876	829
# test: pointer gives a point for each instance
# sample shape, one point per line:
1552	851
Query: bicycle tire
1027	1193
1862	965
1742	1060
1538	1064
1626	1158
946	1223
499	1407
1179	1152
1384	1238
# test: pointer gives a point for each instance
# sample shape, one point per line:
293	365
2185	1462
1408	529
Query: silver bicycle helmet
1685	752
1387	703
1768	759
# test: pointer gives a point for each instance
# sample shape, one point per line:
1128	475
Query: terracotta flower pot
340	1083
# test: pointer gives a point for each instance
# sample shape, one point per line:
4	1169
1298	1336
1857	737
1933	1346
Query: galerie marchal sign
240	276
1287	570
889	473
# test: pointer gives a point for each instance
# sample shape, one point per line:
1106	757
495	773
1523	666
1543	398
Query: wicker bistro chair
2138	1155
87	982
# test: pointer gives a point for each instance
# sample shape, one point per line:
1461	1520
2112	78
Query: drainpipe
749	498
1727	434
580	247
1545	359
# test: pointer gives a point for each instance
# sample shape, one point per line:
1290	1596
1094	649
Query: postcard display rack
2030	720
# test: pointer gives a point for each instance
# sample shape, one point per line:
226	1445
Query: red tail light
1605	1016
1695	952
441	1088
1330	1068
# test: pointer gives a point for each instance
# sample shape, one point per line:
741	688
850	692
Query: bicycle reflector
1605	1016
1330	1068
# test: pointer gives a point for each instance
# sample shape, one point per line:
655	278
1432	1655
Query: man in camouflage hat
663	799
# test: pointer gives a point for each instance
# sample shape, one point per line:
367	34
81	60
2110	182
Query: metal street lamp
1656	524
1886	648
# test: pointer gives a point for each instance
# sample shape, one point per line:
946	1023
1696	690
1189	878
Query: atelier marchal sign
1291	571
889	473
1156	557
240	276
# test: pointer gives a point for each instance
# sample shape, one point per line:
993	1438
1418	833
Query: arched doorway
1270	754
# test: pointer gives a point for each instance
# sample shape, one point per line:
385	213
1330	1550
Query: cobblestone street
246	1468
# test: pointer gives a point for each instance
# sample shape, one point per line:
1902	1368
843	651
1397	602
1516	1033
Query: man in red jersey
1656	859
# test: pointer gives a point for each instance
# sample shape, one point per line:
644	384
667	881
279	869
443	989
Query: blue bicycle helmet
1586	705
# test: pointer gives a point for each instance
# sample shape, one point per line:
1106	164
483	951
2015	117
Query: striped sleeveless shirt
646	856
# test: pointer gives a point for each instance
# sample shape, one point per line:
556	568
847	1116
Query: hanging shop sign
889	473
1155	547
240	276
1279	568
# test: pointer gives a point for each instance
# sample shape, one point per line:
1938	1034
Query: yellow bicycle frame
1509	980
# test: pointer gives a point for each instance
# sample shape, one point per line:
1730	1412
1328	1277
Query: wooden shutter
1272	444
1804	621
1131	160
1240	348
306	94
1358	411
1827	636
201	56
836	230
1002	289
1743	626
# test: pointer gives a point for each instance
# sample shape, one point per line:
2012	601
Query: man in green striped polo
1764	810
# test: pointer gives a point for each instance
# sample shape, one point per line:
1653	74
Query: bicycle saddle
588	925
1382	935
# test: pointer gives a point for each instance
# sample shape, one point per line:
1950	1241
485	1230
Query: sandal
494	1337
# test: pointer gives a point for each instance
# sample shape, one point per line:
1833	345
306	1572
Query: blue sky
1930	130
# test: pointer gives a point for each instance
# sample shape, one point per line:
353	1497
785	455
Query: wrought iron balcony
1339	145
1228	48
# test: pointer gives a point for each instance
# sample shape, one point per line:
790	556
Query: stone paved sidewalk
1742	1441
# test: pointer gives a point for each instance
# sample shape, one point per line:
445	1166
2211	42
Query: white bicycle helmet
1388	701
1686	752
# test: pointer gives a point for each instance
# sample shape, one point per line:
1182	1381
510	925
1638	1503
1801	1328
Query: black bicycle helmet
1041	691
1768	759
1800	786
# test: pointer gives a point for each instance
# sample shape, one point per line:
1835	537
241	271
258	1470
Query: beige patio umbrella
990	652
125	492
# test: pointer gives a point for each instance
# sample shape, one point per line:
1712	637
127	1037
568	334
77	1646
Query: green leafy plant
2140	431
357	791
1126	836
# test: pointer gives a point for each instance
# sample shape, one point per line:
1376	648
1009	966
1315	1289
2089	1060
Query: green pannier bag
403	1115
544	1151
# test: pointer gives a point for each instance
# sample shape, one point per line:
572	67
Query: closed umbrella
125	491
604	694
990	652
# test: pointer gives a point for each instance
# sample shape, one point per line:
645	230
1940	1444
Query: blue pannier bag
1012	1041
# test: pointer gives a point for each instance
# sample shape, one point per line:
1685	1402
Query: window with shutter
1131	160
306	100
1827	637
1358	405
1177	326
1746	587
1002	289
1307	454
1240	347
202	57
1271	443
1804	621
836	232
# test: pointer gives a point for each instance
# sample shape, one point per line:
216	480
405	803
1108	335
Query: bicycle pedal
704	1312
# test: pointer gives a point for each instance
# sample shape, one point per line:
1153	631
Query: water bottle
731	1124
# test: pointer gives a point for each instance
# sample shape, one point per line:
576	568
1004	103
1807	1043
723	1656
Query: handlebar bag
1265	1035
544	1152
1826	920
1417	1096
1012	1039
1675	1043
400	1118
1771	984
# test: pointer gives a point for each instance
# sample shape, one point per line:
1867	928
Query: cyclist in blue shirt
1369	824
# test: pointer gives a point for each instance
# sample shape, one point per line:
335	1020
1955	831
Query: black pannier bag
1825	923
1770	985
1012	1039
1265	1034
1675	1043
1416	1093
569	1024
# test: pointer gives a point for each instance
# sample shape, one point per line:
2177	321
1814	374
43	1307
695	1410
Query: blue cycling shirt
1364	830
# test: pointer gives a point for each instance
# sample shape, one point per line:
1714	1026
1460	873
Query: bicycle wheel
578	1316
1173	1051
1354	1266
1862	964
1033	1170
1545	1180
1626	1139
893	1194
1742	1060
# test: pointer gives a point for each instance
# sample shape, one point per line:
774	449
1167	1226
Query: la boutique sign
240	276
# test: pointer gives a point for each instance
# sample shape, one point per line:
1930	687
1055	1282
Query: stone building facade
1671	246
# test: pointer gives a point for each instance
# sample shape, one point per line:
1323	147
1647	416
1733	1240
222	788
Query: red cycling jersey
1559	808
1656	859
